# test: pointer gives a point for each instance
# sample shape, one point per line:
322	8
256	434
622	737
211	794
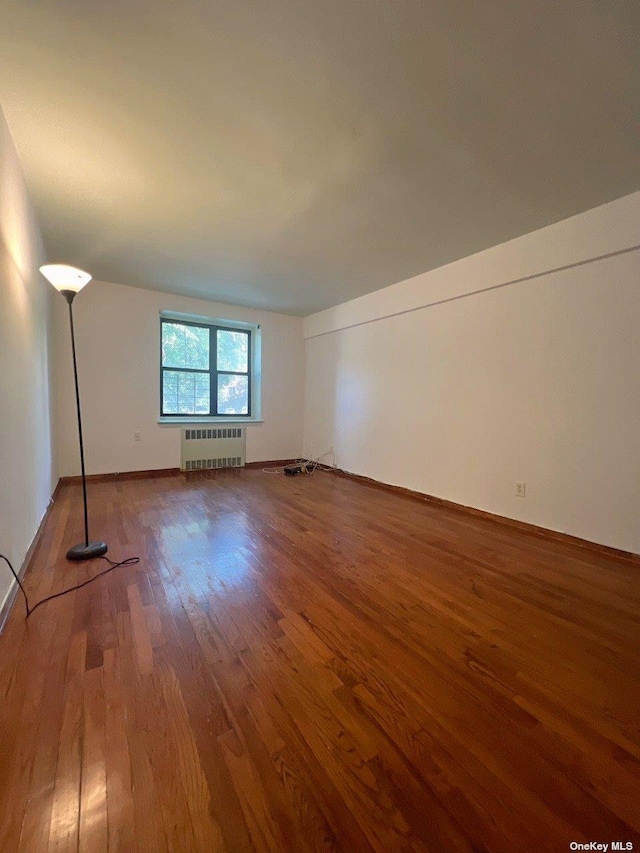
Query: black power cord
130	561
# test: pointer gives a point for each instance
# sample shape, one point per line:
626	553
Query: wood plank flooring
312	664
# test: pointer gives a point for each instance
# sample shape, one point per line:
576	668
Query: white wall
458	384
118	344
26	475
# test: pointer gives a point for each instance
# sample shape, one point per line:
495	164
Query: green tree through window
205	370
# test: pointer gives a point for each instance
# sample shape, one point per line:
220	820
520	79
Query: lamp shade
63	277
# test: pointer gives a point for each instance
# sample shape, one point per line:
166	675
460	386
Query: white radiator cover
212	447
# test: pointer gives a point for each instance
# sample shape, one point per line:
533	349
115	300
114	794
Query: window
205	370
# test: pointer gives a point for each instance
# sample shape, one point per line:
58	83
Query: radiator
218	447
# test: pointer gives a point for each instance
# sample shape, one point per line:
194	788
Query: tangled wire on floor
308	466
130	561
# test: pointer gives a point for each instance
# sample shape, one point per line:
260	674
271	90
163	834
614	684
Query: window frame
212	372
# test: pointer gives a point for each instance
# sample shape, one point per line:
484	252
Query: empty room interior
319	426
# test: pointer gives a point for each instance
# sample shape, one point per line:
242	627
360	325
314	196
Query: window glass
185	346
233	394
185	393
233	351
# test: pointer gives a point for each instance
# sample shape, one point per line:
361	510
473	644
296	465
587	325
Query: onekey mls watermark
601	846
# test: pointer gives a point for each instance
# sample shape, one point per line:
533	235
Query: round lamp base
87	552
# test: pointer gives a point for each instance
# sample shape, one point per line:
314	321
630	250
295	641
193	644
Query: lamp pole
68	281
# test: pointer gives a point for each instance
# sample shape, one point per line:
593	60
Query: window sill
195	422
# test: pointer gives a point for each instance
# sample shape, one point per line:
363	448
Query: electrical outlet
137	436
521	489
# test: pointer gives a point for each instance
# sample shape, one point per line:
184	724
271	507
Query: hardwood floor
313	664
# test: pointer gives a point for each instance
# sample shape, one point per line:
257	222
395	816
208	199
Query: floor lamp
68	281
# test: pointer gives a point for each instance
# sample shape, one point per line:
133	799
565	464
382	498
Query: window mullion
213	409
249	363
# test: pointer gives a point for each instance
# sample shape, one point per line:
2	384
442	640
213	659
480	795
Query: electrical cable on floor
130	561
308	466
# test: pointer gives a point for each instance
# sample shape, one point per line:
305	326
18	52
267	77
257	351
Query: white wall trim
476	292
603	232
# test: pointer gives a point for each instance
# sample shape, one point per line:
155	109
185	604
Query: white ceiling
293	154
